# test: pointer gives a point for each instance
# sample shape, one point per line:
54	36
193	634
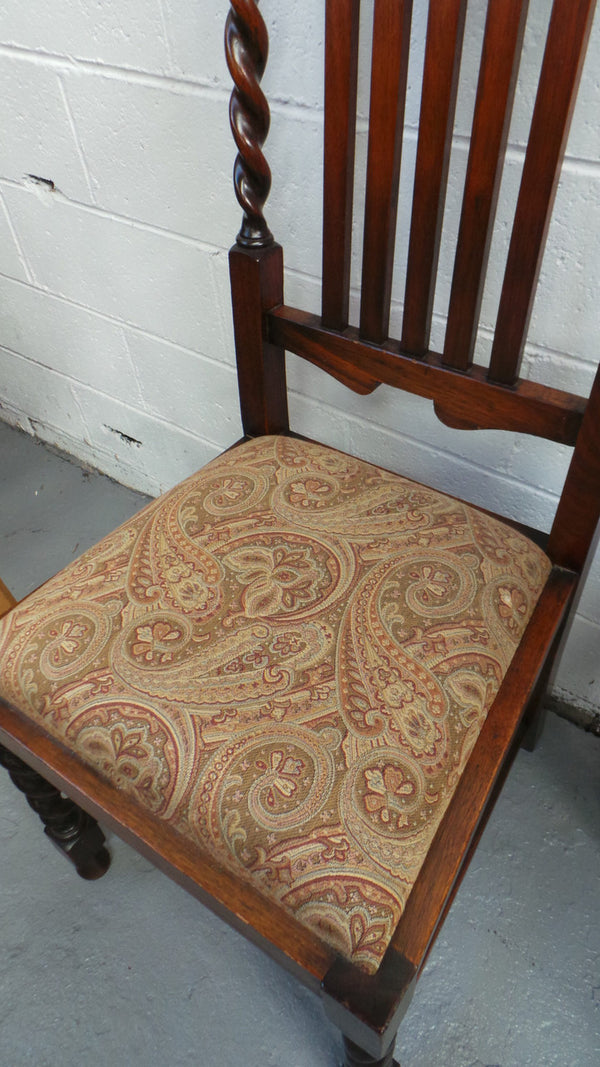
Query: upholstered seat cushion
288	658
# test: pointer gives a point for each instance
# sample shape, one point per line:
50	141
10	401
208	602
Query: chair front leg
71	829
357	1057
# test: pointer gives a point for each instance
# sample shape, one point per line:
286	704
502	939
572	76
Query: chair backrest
465	395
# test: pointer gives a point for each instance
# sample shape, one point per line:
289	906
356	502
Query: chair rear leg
536	723
357	1057
535	716
72	830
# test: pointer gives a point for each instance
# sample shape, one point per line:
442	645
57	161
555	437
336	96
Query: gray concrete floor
129	970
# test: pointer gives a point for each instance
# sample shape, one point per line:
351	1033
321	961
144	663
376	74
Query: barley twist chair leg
357	1057
72	830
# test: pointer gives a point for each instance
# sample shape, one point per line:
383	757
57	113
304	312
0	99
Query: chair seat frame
368	1008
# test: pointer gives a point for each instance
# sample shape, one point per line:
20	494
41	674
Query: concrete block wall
116	212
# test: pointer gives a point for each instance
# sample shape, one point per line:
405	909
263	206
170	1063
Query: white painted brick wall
115	331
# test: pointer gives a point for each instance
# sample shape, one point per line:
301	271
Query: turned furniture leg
72	830
357	1057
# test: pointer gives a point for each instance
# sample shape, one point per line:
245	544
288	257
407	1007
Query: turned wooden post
71	829
255	261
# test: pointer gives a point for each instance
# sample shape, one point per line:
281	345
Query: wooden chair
428	630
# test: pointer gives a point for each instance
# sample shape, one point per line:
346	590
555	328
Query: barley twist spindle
70	828
247	46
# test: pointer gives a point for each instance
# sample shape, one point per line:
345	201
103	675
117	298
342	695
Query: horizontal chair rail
382	997
462	399
240	905
477	790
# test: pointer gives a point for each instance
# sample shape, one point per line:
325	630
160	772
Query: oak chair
297	682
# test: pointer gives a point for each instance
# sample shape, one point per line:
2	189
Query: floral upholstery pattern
288	658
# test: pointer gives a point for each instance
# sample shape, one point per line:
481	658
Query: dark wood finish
72	830
497	78
7	600
368	1008
256	286
440	83
389	71
526	736
357	1057
341	67
378	1009
247	48
241	905
488	764
528	408
255	261
578	510
563	59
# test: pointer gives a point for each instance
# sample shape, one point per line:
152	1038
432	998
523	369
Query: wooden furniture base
365	1004
357	1057
71	829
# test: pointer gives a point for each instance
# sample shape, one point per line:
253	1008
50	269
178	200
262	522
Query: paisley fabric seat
287	659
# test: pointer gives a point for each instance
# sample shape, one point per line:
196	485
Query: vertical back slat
391	42
569	29
495	91
440	81
341	64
